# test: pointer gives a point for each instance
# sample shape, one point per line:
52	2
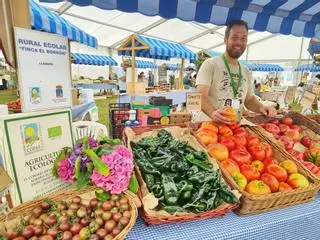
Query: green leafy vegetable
83	180
133	184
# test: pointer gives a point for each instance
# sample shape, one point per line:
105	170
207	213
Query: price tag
307	99
235	104
193	101
290	95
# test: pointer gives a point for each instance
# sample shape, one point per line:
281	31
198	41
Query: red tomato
241	131
283	128
283	187
257	187
287	121
268	150
257	152
296	127
293	134
279	172
252	140
287	142
275	121
230	166
229	143
233	127
250	172
268	161
241	156
258	165
225	131
271	181
298	155
240	140
272	128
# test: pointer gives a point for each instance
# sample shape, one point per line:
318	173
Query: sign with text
270	96
32	142
43	70
290	95
307	99
193	101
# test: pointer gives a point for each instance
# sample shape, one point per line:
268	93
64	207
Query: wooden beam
130	48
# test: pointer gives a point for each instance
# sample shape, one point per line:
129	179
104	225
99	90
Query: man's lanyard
233	83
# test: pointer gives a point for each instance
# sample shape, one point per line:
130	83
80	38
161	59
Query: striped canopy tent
145	64
208	54
47	21
308	68
259	67
141	46
296	17
90	59
154	48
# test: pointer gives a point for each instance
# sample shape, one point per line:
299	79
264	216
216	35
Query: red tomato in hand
225	131
257	152
287	121
250	172
233	127
252	140
229	143
241	131
241	156
271	181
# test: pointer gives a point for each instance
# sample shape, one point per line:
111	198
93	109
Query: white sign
193	101
43	70
31	144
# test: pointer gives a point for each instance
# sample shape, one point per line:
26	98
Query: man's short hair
233	23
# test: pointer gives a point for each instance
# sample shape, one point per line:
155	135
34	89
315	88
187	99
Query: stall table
178	97
299	222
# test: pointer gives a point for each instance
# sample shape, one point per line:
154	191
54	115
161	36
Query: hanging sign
290	95
31	143
193	102
307	99
43	70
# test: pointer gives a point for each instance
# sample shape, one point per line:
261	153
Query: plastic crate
165	110
119	106
119	116
116	131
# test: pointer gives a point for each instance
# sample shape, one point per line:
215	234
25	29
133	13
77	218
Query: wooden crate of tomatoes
295	133
264	174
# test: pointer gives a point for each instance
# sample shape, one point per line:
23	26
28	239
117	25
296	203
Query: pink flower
120	163
65	170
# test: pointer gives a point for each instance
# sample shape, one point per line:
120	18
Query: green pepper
170	189
184	186
186	195
149	179
173	209
211	200
147	167
193	170
157	190
227	196
203	177
201	164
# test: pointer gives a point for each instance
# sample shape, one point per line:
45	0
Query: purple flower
92	143
66	170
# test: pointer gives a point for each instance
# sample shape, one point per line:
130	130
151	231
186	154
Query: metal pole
133	70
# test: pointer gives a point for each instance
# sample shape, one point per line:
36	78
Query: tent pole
300	56
180	86
133	56
110	67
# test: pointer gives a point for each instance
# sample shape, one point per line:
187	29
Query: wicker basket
25	208
253	204
143	190
298	119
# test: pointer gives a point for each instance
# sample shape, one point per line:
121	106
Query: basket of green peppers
181	178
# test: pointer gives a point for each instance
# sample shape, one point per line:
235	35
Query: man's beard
235	53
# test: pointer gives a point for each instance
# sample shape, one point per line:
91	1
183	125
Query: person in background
122	76
150	79
223	79
257	89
